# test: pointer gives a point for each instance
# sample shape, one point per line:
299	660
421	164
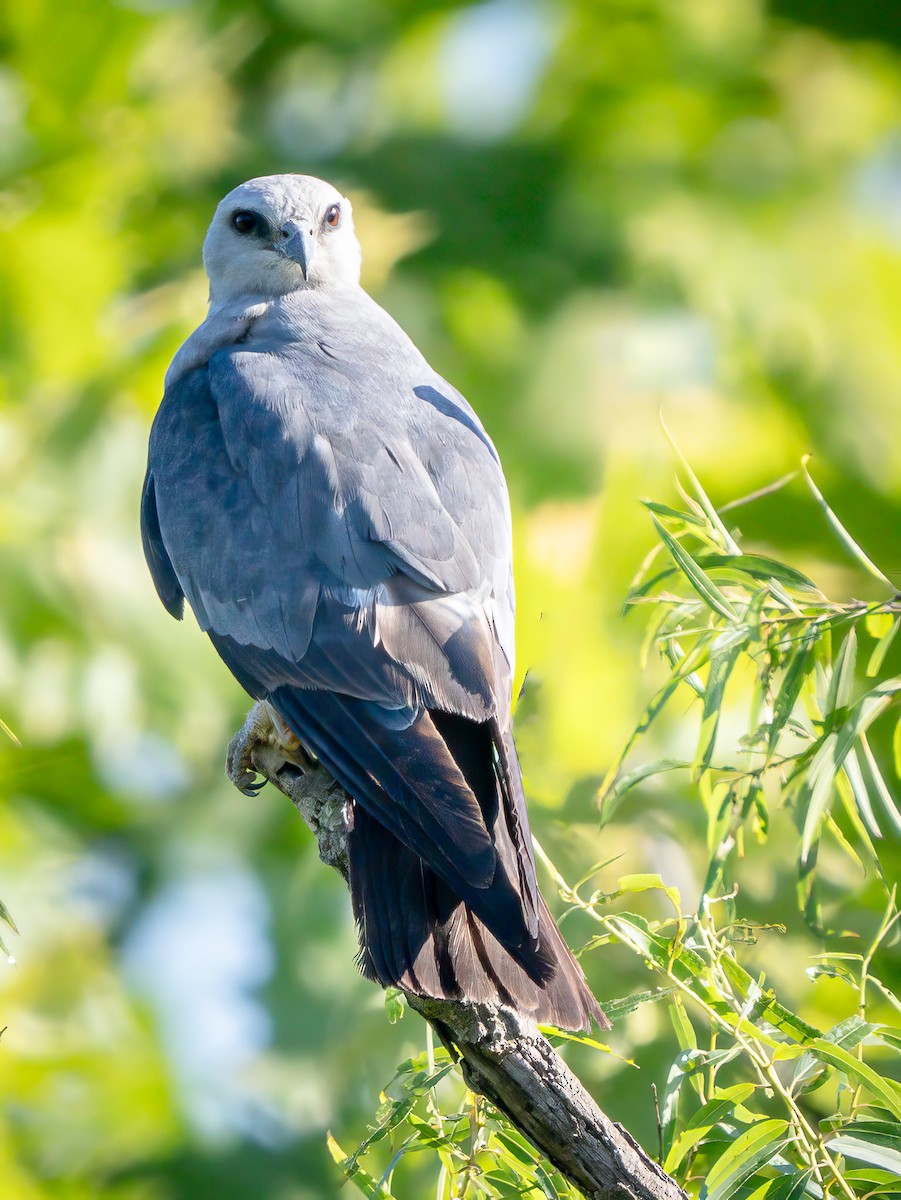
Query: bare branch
502	1056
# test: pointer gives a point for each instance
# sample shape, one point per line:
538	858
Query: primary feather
337	518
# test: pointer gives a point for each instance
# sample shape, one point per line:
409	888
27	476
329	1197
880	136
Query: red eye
333	217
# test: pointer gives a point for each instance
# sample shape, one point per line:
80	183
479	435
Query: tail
416	935
441	867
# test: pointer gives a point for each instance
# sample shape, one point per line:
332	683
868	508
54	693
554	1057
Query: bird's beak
298	245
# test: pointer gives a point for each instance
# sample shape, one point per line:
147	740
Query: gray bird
338	520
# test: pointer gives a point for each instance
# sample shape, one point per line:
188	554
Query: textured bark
503	1057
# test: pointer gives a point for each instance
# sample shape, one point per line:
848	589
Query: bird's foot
263	736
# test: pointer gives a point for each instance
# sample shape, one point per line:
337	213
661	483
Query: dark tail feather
415	934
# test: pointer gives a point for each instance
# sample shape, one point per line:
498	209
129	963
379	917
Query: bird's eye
245	222
333	216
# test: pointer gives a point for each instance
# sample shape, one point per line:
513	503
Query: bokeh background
581	211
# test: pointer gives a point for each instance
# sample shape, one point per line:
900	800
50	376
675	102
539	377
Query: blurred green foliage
580	211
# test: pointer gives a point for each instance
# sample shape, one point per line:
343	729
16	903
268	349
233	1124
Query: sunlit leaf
751	1150
703	585
844	537
877	658
623	1005
705	1119
609	801
874	1142
725	537
885	1092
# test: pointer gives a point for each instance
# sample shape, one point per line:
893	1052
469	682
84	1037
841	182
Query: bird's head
278	234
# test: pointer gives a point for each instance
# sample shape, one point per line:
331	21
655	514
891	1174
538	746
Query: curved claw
265	733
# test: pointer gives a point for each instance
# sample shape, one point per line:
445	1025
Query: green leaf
352	1170
395	1004
751	1150
623	1005
6	917
838	528
877	658
724	536
879	1183
875	1142
548	1188
705	1119
676	514
789	1187
721	666
758	567
860	795
519	1151
886	1092
768	1007
790	690
706	589
611	799
848	1034
648	882
562	1035
879	784
841	682
816	790
4	728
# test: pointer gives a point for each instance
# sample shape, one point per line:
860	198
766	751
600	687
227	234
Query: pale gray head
278	234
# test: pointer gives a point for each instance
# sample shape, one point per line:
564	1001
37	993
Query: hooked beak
297	244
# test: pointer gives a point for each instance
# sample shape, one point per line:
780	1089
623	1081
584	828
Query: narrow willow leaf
688	1064
767	490
859	793
6	917
790	690
768	1007
646	882
841	682
704	1120
395	1005
759	567
818	784
672	651
728	542
791	1187
721	666
695	658
881	1133
520	1152
838	528
867	1149
623	1005
676	514
816	793
4	728
372	1188
702	584
751	1150
655	625
848	1034
879	784
639	591
548	1188
877	658
885	1092
609	801
879	1183
808	897
551	1031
